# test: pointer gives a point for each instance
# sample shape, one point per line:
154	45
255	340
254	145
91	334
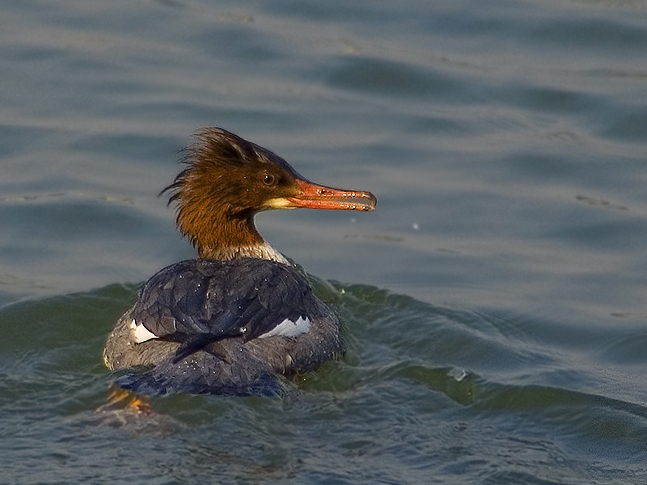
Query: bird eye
269	179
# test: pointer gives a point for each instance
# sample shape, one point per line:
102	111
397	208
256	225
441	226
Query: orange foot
128	401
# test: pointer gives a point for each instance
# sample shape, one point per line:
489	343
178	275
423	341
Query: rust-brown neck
217	236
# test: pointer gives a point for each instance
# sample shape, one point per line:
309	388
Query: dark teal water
495	302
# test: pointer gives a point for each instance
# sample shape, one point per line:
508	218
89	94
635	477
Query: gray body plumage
208	323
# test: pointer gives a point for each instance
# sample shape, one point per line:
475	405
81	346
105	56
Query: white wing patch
288	328
140	333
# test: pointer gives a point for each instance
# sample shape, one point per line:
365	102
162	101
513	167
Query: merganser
241	315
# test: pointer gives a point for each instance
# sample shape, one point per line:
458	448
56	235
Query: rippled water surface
494	304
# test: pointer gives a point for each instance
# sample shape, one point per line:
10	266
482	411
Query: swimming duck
240	316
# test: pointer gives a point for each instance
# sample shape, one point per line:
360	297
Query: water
494	303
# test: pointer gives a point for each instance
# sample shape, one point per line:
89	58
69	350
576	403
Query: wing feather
196	302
